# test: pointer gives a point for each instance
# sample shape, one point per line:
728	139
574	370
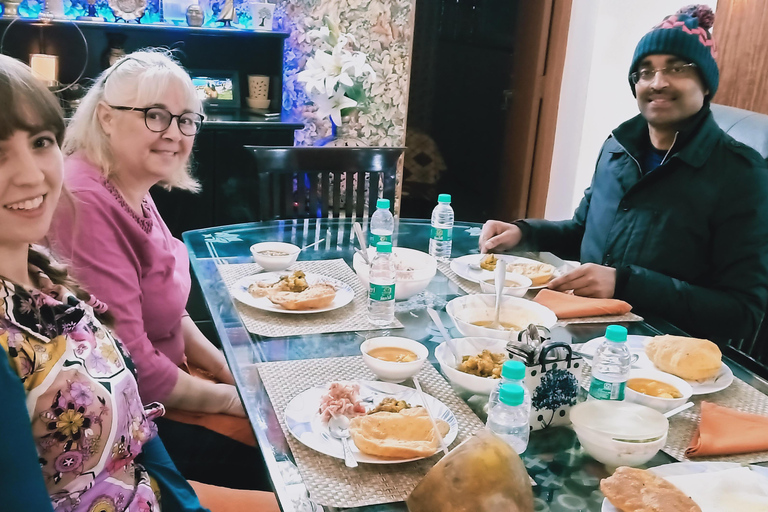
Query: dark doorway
460	76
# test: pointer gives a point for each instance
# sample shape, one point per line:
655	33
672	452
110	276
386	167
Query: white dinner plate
636	344
344	292
690	468
461	266
303	419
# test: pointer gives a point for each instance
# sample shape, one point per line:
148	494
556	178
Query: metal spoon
361	240
500	280
447	337
312	244
676	410
436	430
338	427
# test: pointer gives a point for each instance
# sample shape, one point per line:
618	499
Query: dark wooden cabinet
221	164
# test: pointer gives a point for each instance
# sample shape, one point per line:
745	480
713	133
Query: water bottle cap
384	247
444	198
514	370
616	333
511	394
382	203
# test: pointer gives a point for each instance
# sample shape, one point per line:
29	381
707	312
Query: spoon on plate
436	430
447	337
338	427
500	276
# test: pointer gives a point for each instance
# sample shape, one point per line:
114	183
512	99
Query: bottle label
382	292
374	239
441	234
607	390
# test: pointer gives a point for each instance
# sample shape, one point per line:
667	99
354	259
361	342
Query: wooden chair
305	182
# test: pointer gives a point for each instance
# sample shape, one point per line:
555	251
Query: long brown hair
26	105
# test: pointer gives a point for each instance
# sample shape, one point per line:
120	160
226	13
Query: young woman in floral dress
75	436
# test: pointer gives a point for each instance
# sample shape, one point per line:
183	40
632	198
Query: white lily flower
313	77
332	69
333	106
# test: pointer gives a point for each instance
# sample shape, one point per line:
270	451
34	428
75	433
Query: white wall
595	96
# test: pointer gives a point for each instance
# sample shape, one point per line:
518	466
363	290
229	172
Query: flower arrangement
333	76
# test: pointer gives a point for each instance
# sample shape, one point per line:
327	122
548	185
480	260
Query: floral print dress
87	420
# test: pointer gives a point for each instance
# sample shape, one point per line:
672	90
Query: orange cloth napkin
566	305
724	431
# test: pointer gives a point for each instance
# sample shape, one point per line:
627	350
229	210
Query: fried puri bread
688	358
316	296
397	435
639	490
538	273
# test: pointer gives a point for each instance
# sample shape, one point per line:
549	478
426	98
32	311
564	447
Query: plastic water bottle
611	365
509	419
512	372
381	294
441	235
382	223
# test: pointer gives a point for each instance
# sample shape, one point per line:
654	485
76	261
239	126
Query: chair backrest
306	182
750	128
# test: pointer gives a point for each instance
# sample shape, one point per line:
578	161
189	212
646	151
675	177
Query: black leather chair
751	128
305	182
745	126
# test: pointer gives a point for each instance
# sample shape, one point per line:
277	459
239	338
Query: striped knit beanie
684	34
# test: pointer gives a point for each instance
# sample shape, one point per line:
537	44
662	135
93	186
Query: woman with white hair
74	434
133	130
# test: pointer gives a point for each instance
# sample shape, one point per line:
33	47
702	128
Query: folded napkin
724	431
566	305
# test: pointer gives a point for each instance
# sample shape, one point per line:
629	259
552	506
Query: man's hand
588	280
498	236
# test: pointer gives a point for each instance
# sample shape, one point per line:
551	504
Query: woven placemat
352	317
327	479
739	396
474	288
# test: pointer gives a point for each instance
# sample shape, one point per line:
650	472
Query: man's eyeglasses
646	75
159	119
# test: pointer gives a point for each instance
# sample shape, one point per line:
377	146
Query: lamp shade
45	67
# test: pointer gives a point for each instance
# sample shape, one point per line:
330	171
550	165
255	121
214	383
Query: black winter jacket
689	240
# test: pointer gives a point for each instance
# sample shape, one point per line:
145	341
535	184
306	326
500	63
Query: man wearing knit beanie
675	221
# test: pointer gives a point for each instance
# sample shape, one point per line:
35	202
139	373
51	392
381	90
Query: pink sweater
132	263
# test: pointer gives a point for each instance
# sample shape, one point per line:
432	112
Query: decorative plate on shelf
128	9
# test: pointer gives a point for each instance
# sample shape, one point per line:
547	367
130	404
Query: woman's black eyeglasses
158	119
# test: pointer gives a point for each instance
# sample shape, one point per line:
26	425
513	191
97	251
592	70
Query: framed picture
217	89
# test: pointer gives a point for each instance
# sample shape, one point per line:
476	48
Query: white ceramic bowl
660	404
473	308
274	263
409	282
390	371
617	453
619	433
517	289
469	347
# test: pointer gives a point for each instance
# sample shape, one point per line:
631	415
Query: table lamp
45	68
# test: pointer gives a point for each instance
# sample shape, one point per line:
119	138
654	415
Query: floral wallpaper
383	31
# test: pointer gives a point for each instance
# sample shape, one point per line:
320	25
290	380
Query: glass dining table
566	478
